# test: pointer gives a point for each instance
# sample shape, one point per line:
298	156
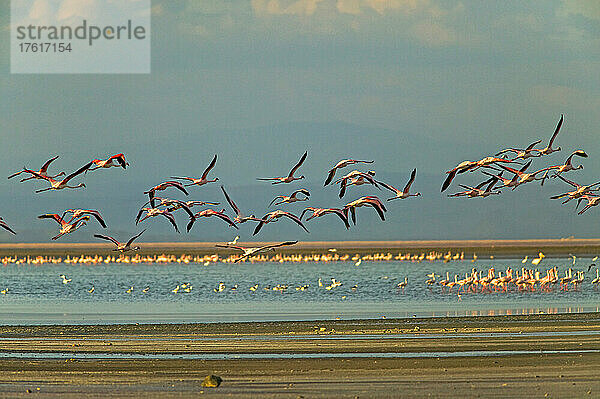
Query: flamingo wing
295	168
44	167
107	238
212	165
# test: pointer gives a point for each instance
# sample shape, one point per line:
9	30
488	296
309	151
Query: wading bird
5	226
122	247
117	160
318	212
293	197
203	179
274	216
568	165
523	177
356	178
521	154
42	172
369	200
289	178
404	193
549	150
64	183
247	252
75	213
342	164
65	227
470	166
239	218
211	212
152	212
164	186
579	191
592	201
473	192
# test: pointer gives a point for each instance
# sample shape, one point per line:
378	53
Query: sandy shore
559	357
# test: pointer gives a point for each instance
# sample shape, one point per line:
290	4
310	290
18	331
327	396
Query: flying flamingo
371	201
579	191
122	247
42	172
470	166
203	179
152	212
342	164
521	154
473	192
64	183
318	212
247	252
5	226
568	165
76	213
211	212
289	178
239	218
293	197
549	150
274	216
522	177
404	193
356	178
592	201
164	186
107	163
65	227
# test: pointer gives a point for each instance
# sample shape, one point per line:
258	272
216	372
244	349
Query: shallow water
36	294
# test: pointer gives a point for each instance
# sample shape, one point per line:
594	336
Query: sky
409	84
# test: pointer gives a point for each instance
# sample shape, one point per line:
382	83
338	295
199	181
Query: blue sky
408	83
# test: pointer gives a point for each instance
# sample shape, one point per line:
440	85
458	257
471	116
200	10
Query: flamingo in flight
470	166
549	150
293	197
579	191
342	164
568	165
5	226
76	213
122	247
117	160
164	186
473	192
64	183
247	252
274	216
369	200
172	205
356	178
289	178
203	179
239	217
523	177
318	212
592	200
404	193
152	212
42	172
65	227
211	212
521	154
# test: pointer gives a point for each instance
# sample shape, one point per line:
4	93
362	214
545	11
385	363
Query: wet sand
535	373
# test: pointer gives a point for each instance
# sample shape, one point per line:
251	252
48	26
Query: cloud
587	8
69	9
433	34
274	7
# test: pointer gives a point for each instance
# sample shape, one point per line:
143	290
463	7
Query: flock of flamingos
506	169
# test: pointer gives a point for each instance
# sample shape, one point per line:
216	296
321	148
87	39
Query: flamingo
274	216
371	201
549	150
164	186
579	191
204	178
289	178
592	201
342	164
108	163
404	193
356	178
522	177
5	226
64	183
521	154
293	197
247	252
211	212
65	227
75	213
152	212
42	172
239	218
568	165
122	247
476	191
318	212
469	166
